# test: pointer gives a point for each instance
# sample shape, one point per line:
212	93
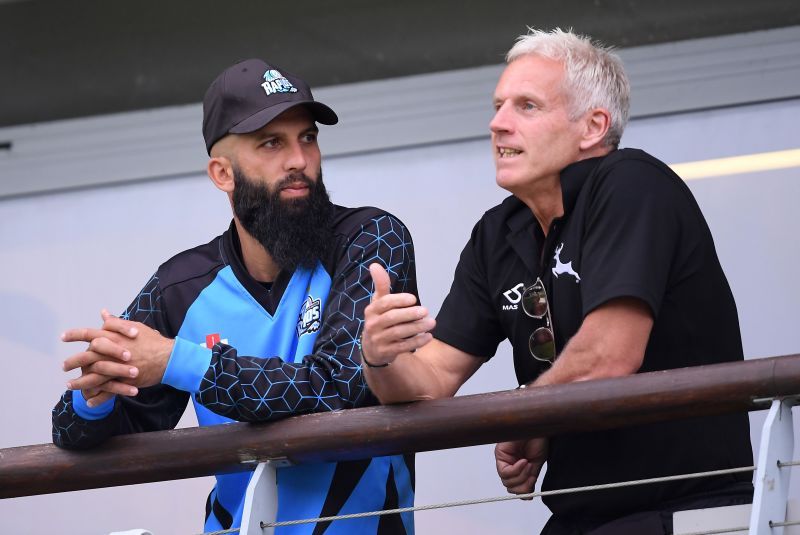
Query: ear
596	124
220	171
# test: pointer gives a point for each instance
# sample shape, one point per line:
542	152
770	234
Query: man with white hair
599	265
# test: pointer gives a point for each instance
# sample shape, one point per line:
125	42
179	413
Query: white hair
593	75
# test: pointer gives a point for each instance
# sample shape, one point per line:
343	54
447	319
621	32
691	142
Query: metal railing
413	427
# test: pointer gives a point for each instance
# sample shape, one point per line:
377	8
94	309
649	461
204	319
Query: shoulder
509	215
633	174
366	234
350	223
503	212
638	167
195	263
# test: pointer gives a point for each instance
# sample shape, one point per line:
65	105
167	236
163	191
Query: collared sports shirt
631	228
303	334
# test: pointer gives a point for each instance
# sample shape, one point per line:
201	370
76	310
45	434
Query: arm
77	425
627	257
610	343
332	377
396	331
259	389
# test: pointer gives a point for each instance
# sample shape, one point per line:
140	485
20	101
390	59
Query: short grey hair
594	76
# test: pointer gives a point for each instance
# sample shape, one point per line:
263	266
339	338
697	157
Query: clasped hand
122	357
519	462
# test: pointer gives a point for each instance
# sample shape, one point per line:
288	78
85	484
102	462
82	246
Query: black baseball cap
251	93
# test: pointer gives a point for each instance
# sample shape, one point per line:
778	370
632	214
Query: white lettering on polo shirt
514	296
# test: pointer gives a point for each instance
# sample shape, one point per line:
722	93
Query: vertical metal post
772	481
260	501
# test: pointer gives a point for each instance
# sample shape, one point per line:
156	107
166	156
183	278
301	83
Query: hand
106	391
97	387
393	323
148	353
519	463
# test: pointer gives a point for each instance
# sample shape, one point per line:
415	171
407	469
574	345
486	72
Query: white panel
714	72
388	114
67	254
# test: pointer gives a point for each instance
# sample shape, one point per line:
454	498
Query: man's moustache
294	179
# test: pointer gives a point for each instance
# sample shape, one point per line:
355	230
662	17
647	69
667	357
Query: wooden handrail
413	427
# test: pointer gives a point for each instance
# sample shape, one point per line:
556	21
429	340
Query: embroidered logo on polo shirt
275	82
562	268
212	340
309	319
514	296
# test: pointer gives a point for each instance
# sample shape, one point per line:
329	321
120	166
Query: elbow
609	366
618	367
387	398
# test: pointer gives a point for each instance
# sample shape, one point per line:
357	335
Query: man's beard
295	232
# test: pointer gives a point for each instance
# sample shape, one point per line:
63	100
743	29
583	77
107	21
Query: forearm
331	378
580	361
253	389
435	370
610	343
407	378
76	426
73	431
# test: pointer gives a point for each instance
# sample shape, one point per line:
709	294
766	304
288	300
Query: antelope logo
562	268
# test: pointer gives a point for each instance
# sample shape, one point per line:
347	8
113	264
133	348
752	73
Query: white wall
65	255
68	254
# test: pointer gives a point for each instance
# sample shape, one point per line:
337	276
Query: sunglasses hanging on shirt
541	343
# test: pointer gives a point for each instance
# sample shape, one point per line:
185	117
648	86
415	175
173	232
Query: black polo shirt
631	228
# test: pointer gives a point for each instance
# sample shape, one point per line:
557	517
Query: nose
296	160
501	122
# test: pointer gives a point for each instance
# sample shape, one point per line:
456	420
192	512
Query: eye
528	106
270	143
310	137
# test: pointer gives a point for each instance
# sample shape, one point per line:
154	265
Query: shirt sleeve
635	223
466	320
260	389
159	407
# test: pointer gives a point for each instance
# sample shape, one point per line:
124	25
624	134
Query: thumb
380	278
105	314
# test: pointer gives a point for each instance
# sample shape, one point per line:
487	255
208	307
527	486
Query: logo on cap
275	82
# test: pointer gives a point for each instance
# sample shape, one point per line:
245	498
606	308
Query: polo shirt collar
572	179
526	237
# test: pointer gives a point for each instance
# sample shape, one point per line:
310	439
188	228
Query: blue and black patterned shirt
305	332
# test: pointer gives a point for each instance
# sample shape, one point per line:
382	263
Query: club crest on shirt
564	268
212	340
309	319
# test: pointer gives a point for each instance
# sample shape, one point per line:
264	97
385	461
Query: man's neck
256	259
545	198
545	201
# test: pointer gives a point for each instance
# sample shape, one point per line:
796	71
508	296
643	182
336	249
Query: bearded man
287	282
